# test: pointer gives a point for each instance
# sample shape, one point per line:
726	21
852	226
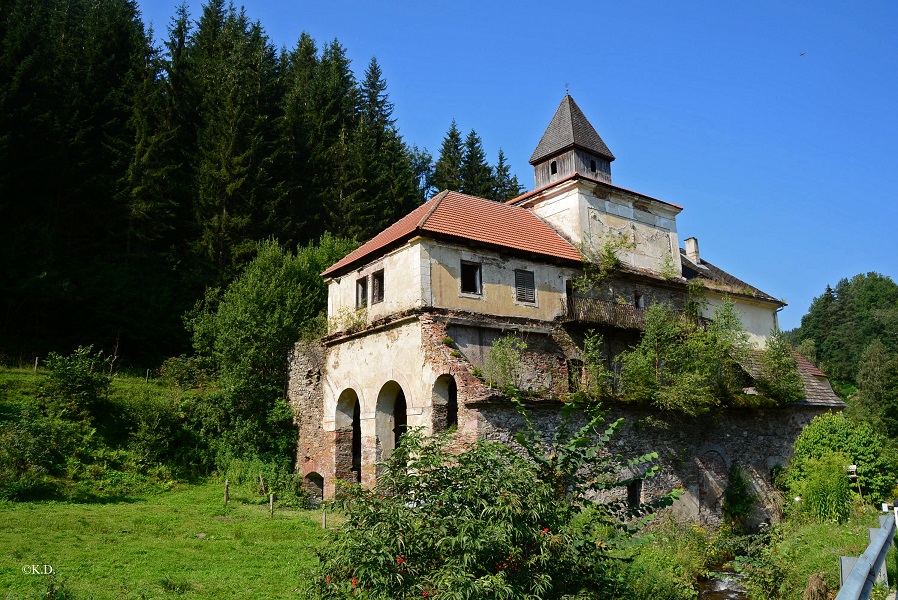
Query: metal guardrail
870	567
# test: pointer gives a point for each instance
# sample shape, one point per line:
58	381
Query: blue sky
774	124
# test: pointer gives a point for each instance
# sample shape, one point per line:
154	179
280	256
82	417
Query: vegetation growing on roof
679	365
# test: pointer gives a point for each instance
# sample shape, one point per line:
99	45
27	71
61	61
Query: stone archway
348	437
313	484
712	483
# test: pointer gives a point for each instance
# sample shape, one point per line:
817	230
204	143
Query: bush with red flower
486	523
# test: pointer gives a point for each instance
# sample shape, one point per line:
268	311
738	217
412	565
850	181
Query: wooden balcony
600	312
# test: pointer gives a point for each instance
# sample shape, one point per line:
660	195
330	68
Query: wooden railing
589	310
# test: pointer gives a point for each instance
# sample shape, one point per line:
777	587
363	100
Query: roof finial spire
567	91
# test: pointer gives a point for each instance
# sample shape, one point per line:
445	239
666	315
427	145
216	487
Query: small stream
722	586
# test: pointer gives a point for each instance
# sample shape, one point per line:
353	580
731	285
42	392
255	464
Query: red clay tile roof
456	215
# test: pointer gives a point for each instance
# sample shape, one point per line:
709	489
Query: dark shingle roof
568	128
817	389
459	216
719	280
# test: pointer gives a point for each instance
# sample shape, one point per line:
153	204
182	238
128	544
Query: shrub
778	378
487	522
861	445
77	384
738	499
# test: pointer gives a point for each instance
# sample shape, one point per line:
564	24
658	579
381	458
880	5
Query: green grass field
181	543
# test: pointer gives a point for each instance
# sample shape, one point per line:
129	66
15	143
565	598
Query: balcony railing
601	312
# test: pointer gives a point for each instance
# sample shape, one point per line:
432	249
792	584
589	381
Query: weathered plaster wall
403	286
562	212
650	226
498	291
695	453
758	319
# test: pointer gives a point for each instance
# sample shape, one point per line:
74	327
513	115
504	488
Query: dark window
634	493
400	420
524	286
470	278
377	287
361	293
638	300
592	166
357	442
554	168
452	405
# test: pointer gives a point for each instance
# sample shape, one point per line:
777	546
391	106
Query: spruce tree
476	174
505	185
447	171
384	162
297	159
237	75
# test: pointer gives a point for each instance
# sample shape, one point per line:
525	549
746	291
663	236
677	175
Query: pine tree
447	171
505	185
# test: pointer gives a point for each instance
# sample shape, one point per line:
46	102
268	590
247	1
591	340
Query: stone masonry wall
314	451
695	453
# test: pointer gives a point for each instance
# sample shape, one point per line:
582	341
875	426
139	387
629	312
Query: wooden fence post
226	496
271	505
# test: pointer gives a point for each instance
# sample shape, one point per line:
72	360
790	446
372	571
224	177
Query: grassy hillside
183	542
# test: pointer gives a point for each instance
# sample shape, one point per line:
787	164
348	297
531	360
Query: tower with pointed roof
570	145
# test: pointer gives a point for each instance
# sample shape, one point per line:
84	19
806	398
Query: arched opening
313	483
444	404
392	418
348	437
553	167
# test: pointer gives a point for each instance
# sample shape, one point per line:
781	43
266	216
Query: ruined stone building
414	310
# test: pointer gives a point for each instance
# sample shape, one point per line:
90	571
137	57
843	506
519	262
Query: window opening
638	300
400	419
524	286
357	442
377	287
554	168
592	166
634	493
361	292
470	278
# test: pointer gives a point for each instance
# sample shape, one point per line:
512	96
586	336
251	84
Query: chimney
692	250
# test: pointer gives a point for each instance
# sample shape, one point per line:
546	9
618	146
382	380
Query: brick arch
348	436
444	403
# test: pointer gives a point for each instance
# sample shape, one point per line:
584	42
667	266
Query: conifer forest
138	175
